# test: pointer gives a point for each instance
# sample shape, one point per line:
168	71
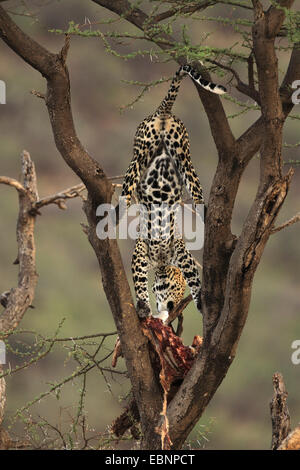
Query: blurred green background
69	280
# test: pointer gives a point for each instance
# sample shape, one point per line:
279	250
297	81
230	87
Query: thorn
61	205
85	228
38	94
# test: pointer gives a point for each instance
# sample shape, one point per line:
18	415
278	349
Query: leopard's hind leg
186	263
140	265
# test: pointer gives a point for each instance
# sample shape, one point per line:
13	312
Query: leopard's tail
166	105
210	86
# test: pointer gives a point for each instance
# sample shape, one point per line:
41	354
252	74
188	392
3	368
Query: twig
38	94
12	182
289	222
80	338
247	90
186	10
69	193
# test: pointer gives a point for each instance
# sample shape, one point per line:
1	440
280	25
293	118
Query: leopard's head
169	287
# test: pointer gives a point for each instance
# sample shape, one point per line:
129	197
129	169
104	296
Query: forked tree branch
69	193
21	297
60	197
58	100
229	263
233	159
218	245
222	328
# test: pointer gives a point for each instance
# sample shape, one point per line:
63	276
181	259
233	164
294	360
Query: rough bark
282	436
58	101
223	323
20	298
229	262
280	416
17	300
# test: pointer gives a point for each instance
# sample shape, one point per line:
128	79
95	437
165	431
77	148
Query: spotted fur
158	246
169	287
161	167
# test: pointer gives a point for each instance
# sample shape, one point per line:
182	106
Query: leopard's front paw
142	309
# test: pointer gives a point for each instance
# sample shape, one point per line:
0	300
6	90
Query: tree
229	260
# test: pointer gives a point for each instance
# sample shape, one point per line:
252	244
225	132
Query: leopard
160	169
159	244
